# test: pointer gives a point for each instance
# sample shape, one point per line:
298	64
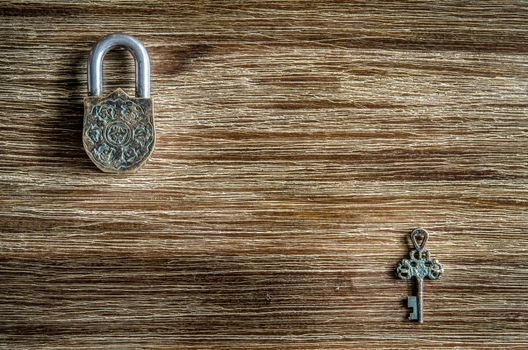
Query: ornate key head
420	264
118	130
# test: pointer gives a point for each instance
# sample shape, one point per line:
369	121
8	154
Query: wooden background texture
299	142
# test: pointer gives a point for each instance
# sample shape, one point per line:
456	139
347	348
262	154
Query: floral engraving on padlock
118	131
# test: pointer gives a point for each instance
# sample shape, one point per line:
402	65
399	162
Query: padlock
118	130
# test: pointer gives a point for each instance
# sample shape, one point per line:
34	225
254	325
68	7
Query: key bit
419	266
412	303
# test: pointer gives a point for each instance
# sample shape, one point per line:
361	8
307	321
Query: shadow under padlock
118	130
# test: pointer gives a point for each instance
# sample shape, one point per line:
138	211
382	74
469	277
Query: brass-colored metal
419	266
118	131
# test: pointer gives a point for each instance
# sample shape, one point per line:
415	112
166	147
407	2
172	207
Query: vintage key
420	266
118	130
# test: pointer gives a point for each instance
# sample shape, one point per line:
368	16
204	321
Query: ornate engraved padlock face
118	131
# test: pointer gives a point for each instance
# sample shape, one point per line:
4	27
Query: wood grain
299	142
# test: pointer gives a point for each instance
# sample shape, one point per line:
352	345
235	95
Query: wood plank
299	142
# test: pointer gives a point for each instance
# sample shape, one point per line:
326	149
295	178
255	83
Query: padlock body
118	131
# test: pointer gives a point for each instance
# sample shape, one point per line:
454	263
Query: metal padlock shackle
136	48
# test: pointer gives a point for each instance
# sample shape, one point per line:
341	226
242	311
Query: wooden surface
298	145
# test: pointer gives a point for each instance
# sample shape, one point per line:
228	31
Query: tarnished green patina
420	265
118	131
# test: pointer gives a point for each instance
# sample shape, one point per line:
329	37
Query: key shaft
420	297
